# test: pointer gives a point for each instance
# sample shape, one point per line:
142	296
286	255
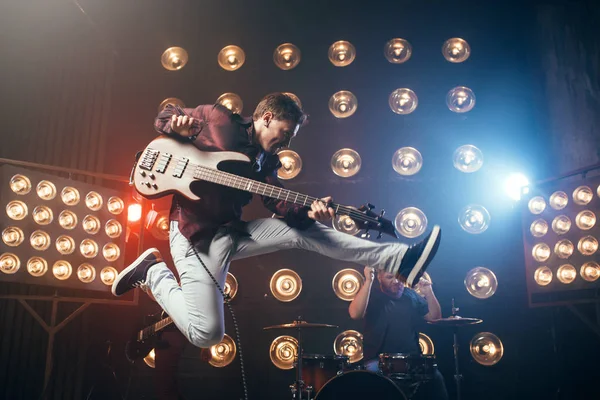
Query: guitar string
191	172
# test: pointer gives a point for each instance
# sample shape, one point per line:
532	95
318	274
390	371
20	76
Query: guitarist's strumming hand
319	211
181	124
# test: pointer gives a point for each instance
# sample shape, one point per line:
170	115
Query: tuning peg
366	235
379	236
370	206
382	213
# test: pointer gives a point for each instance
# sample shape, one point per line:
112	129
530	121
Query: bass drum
360	385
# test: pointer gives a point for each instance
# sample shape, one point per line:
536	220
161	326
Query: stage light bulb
561	224
558	200
88	248
93	201
291	164
590	271
407	161
474	219
585	220
537	205
411	222
16	210
481	282
564	248
231	58
583	195
13	236
541	252
111	252
174	58
46	190
456	50
91	224
70	196
538	228
345	163
467	158
67	219
232	102
113	229
543	276
343	104
62	270
42	215
346	283
286	56
20	184
9	263
37	266
86	273
397	51
341	53
566	273
40	240
108	275
587	245
65	244
115	205
403	101
460	99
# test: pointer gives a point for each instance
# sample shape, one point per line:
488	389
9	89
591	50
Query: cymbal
299	325
455	321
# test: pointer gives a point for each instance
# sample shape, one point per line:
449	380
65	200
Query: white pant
196	306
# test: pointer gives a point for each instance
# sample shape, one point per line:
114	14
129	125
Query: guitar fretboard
264	189
152	329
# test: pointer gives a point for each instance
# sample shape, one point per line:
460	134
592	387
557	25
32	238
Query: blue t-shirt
391	325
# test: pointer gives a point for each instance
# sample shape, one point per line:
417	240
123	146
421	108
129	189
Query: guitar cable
226	298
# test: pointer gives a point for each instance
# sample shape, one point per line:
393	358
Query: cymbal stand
457	374
298	386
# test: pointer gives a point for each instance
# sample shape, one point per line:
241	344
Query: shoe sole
130	268
435	233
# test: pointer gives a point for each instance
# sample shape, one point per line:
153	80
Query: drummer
392	313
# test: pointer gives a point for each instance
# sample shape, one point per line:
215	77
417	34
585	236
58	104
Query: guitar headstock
375	222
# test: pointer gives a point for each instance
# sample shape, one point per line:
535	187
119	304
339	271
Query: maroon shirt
218	129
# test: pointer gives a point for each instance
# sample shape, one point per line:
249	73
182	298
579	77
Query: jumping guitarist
206	232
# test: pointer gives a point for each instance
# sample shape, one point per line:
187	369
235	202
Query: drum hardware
455	321
298	387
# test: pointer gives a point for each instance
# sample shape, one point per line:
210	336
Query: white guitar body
167	166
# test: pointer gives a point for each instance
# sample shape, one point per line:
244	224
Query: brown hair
283	108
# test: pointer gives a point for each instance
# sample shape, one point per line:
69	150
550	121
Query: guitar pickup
180	167
148	159
163	162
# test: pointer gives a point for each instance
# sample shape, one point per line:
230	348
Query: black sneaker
135	274
418	256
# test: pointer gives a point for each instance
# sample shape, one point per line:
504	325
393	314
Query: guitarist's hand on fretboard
319	210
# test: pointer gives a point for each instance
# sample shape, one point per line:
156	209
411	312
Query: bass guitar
168	166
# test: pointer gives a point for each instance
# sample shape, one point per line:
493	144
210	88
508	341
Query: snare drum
317	369
360	385
415	367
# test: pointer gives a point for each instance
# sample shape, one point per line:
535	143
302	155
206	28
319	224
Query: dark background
81	83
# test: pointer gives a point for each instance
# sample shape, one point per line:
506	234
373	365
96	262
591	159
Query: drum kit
326	377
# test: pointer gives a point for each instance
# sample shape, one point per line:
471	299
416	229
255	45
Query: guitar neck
264	189
153	329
